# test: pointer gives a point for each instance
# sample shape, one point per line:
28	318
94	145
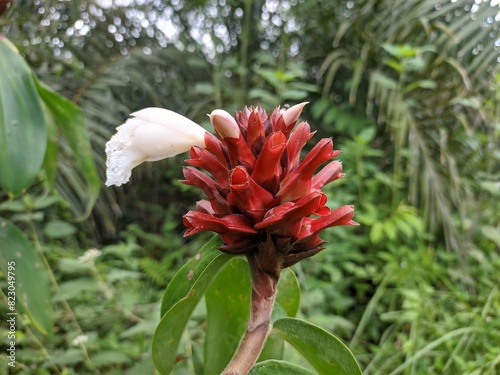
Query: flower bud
224	124
291	115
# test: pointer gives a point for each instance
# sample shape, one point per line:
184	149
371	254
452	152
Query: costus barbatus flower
259	190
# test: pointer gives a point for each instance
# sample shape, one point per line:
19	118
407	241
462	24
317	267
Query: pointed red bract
299	181
268	164
255	130
297	140
246	195
260	190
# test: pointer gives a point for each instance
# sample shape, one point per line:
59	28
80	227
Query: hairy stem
265	266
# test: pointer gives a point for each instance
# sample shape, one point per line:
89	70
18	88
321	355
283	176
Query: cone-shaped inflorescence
260	192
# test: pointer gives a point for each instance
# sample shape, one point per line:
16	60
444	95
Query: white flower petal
170	119
152	134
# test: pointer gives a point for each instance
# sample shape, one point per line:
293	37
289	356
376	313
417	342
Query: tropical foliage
408	89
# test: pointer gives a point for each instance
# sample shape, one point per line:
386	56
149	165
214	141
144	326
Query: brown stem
265	266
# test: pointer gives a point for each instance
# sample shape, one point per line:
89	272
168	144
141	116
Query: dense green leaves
25	272
22	122
324	351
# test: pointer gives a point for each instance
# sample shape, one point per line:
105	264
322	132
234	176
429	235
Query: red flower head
259	191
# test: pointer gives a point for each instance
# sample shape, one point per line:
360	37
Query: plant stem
265	267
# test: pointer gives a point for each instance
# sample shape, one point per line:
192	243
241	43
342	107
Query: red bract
259	190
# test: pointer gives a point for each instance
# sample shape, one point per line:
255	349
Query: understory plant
265	203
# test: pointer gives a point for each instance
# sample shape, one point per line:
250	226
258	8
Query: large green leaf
30	277
183	280
274	366
22	123
228	310
326	353
181	297
288	296
71	121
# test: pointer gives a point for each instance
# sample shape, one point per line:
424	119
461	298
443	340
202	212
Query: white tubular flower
151	134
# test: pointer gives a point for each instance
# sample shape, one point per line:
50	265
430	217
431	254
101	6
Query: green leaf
73	266
383	80
302	86
71	122
273	366
115	275
326	353
181	297
184	279
288	296
366	135
31	278
69	357
423	84
319	108
228	310
45	201
376	232
291	94
59	229
204	88
75	288
400	50
109	357
143	328
23	131
13	206
271	77
390	229
267	98
120	251
491	233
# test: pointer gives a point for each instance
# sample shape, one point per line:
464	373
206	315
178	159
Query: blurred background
409	90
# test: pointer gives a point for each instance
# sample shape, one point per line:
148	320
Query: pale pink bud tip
291	115
224	124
